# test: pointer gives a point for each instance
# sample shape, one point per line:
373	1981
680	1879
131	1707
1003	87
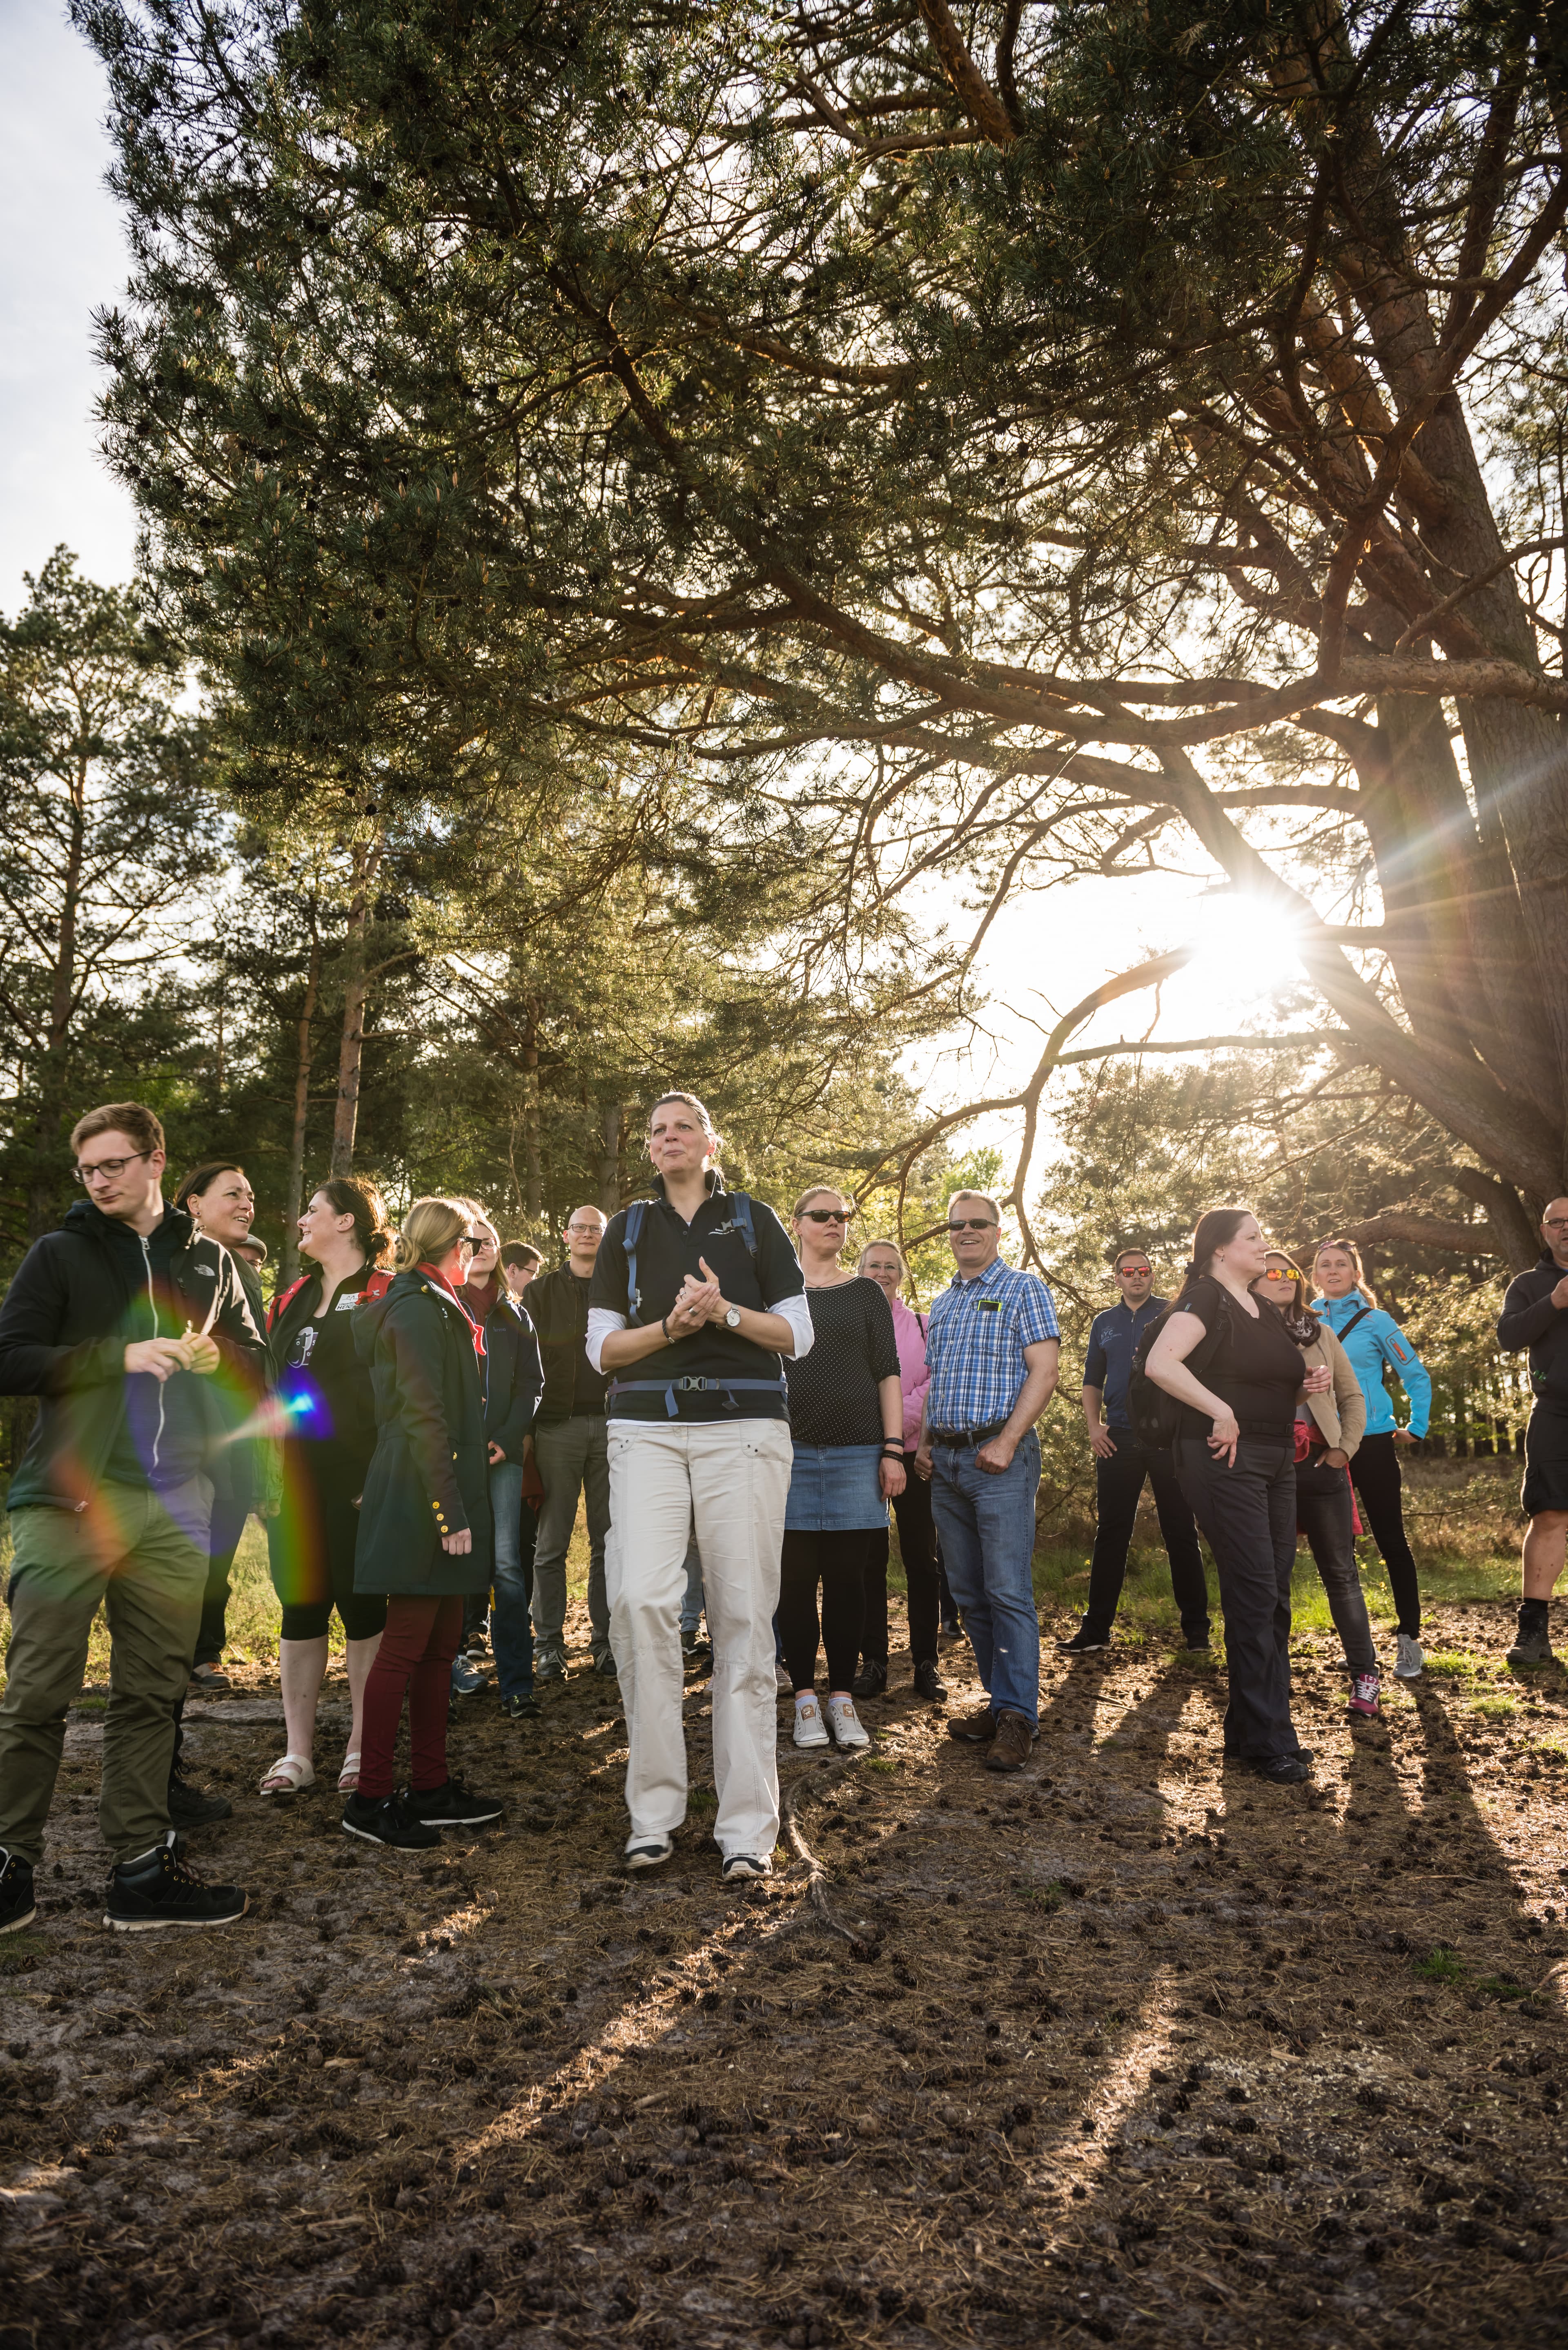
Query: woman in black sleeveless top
1232	1366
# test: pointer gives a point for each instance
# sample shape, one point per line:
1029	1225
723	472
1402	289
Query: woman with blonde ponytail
425	1535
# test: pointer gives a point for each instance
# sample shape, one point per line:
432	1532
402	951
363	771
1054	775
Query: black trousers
918	1547
1248	1513
836	1562
1119	1482
1375	1472
223	1541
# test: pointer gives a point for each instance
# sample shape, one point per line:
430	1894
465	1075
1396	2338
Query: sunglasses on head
826	1215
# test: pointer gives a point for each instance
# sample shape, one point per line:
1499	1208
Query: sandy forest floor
1129	2049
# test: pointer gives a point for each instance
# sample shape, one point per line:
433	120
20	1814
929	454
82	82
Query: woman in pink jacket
883	1262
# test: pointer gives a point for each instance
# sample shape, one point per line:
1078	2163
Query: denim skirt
834	1488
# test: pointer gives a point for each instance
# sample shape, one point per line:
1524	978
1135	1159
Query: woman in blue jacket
1374	1343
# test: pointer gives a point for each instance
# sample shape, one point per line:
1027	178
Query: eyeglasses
1282	1272
1556	1223
104	1170
582	1231
466	1241
826	1215
971	1224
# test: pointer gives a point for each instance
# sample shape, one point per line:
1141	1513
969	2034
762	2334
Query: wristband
664	1326
892	1449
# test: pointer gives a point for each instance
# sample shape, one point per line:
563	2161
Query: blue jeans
692	1604
511	1634
987	1528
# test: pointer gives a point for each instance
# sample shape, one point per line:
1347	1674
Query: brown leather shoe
1013	1745
974	1729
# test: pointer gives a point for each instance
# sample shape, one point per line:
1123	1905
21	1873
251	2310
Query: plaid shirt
975	1343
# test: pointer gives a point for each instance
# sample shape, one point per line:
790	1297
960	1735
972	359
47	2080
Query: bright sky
62	255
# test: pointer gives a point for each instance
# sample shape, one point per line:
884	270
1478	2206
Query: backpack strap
282	1300
635	1216
377	1287
741	1209
1343	1334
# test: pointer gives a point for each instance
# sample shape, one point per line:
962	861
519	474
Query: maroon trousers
414	1660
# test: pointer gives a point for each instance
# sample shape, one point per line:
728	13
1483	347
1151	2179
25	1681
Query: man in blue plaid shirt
992	1346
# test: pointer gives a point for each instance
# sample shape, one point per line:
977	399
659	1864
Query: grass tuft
1441	1965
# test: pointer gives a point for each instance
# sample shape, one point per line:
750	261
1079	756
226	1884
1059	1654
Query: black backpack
1156	1416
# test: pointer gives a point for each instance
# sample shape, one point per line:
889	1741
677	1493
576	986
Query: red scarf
441	1279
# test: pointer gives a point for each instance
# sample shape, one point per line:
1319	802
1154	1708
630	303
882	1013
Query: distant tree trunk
304	1052
49	1122
356	987
533	1158
609	1161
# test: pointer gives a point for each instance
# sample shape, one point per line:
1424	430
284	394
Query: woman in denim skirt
846	1423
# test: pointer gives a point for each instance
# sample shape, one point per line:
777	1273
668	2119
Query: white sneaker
809	1727
1408	1660
846	1724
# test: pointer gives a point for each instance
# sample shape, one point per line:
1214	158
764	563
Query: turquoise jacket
1377	1341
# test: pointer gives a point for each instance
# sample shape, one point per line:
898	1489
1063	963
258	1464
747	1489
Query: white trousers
728	1481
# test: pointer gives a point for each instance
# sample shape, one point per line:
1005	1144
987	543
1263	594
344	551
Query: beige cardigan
1341	1410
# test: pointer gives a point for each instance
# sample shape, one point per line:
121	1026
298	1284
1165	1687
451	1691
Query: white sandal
288	1775
348	1777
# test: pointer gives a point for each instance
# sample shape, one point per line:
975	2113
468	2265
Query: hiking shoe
929	1682
742	1864
976	1729
159	1889
1013	1745
1364	1691
192	1807
1197	1639
467	1678
648	1852
1408	1661
18	1906
1533	1646
810	1729
870	1681
695	1649
549	1664
604	1664
1084	1643
846	1724
208	1680
525	1708
453	1806
949	1628
1285	1770
387	1819
477	1643
781	1680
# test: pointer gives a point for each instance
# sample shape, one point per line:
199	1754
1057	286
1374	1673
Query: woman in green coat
424	1525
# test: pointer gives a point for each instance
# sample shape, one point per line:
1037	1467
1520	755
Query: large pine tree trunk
49	1122
303	1053
356	989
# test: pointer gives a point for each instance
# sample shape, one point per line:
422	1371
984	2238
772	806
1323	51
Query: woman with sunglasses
1329	1423
425	1527
1374	1343
884	1262
846	1424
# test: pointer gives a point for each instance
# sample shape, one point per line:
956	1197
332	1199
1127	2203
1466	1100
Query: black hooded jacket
79	1297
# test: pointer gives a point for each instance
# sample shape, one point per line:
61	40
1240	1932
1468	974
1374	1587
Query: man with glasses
1121	1465
1536	1314
992	1344
567	1449
119	1323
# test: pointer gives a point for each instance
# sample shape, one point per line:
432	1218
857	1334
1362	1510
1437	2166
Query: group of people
738	1405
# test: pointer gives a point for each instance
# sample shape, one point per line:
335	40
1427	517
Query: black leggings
918	1549
310	1553
837	1562
1375	1472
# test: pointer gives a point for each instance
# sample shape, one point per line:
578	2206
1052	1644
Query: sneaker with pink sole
1364	1694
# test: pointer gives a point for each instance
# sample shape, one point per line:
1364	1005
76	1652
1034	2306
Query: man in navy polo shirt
1121	1465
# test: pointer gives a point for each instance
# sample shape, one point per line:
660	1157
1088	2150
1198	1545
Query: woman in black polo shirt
847	1422
1235	1369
